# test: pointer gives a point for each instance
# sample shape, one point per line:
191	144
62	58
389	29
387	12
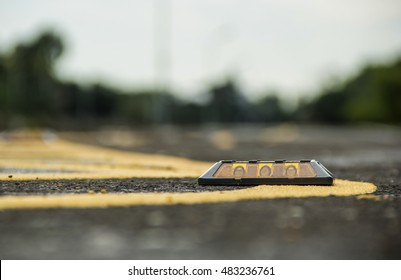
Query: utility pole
162	60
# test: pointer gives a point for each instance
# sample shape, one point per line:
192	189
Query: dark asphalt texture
308	228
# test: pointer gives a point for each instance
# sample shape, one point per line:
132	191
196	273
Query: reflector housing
257	172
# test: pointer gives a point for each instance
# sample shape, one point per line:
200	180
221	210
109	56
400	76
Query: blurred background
206	80
89	64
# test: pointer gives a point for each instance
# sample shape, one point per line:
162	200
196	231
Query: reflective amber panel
306	170
240	170
252	171
278	170
225	171
265	170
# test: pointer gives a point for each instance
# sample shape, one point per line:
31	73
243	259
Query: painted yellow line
340	188
30	158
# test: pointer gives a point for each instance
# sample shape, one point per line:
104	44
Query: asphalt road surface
294	228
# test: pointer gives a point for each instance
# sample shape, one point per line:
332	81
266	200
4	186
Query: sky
292	47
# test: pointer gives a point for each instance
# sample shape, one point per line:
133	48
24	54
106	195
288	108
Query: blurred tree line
373	95
32	95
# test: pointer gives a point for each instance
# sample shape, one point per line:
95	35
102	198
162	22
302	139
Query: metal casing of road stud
258	172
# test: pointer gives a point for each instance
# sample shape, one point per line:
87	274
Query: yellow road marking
30	158
340	188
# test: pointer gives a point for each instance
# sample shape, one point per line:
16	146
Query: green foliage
374	95
269	109
144	107
227	104
377	95
27	76
31	91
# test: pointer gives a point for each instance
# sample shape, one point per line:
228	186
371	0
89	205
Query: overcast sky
290	46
